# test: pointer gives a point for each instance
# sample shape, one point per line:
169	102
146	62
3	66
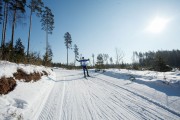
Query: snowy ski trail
62	99
99	98
51	110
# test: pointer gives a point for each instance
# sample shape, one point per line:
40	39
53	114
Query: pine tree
1	18
35	7
100	62
76	53
47	23
68	42
47	58
4	26
34	58
100	59
7	51
16	6
111	61
19	54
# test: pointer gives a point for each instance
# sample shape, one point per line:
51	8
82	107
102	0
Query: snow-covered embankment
26	97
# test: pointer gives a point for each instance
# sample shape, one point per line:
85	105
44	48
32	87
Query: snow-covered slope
27	96
109	96
7	68
112	95
163	87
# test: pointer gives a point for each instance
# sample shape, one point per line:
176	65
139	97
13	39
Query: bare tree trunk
12	35
74	60
4	29
46	47
93	59
67	56
3	26
119	55
13	27
29	35
6	17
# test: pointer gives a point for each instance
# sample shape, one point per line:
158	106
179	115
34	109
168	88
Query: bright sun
157	25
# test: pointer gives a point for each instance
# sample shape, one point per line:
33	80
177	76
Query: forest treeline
14	12
171	58
162	60
18	55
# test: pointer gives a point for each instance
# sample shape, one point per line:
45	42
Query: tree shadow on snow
170	89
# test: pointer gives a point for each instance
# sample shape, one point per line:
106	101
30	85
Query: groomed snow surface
113	95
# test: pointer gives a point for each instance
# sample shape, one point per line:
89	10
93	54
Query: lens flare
158	25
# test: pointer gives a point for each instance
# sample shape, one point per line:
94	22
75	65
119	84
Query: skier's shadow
75	79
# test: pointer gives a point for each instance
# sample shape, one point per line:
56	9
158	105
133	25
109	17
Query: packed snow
113	95
26	96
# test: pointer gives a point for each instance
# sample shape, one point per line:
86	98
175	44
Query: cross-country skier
84	65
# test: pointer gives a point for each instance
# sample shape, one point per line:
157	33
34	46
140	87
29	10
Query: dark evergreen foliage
76	51
100	62
7	51
19	55
47	20
100	59
36	6
47	23
68	42
47	58
4	26
159	64
16	6
34	58
159	60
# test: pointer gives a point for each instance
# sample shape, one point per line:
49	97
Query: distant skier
84	65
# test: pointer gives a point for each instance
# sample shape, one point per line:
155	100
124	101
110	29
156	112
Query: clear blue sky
100	26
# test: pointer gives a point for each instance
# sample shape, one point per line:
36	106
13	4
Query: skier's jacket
83	62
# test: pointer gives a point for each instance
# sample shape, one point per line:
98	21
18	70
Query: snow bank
7	69
27	96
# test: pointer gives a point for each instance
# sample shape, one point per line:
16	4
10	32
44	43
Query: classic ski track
133	98
62	98
53	103
118	104
76	98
